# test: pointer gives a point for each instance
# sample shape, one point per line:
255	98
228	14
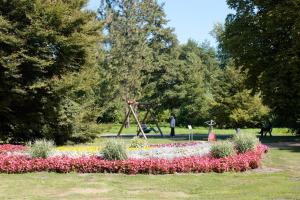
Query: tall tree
184	87
263	37
233	104
43	44
136	40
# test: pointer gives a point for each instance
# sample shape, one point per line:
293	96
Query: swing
132	105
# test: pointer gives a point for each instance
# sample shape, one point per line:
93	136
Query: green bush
40	148
137	142
114	150
245	142
222	149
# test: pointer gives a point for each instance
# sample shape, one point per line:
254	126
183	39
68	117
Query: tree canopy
63	68
263	38
44	48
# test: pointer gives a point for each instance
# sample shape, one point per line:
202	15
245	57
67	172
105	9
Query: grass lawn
114	129
182	134
279	178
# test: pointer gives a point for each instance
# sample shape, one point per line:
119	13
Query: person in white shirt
172	125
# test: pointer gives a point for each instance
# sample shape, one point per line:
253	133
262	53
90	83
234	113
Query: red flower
63	164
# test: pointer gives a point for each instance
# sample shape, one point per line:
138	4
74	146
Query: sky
191	19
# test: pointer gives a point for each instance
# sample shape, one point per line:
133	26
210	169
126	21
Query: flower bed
10	148
171	151
75	151
165	151
94	164
179	144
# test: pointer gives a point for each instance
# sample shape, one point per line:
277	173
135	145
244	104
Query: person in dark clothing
265	130
172	125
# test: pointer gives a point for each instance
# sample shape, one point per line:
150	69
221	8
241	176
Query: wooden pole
138	122
124	122
145	117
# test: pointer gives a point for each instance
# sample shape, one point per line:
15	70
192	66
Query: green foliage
59	74
194	84
183	84
137	142
40	148
234	105
47	69
142	60
244	142
136	46
222	149
114	150
249	110
263	37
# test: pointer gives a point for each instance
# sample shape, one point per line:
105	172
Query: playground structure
134	105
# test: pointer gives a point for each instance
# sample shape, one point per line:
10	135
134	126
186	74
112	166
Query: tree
218	34
135	44
233	104
193	87
185	81
45	47
263	38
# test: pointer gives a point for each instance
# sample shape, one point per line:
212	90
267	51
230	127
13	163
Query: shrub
40	148
114	150
245	142
222	149
137	142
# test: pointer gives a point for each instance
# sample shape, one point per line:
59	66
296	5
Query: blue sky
191	18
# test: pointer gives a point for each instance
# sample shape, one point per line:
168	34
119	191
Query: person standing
172	125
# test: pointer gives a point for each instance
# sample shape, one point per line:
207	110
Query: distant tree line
63	67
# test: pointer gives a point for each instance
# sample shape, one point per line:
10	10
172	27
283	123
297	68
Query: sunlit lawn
182	134
114	129
279	178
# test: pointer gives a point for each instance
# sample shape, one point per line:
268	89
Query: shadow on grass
278	139
295	149
288	143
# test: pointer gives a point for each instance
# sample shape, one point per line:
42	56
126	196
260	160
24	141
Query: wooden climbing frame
132	105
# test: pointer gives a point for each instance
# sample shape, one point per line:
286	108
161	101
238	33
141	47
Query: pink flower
5	148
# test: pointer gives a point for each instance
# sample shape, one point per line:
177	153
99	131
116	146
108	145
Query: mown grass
279	178
182	134
114	129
